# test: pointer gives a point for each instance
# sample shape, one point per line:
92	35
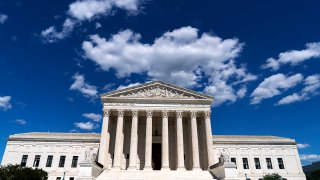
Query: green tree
315	175
16	172
273	176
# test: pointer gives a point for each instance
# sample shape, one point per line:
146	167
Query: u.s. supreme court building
155	131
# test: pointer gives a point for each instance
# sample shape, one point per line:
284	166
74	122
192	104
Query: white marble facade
157	131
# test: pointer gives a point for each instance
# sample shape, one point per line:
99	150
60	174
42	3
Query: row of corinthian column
104	159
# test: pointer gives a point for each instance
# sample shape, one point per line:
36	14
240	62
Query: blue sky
260	60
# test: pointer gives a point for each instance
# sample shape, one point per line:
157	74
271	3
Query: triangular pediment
157	90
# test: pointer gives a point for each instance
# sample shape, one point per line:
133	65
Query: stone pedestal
88	171
224	171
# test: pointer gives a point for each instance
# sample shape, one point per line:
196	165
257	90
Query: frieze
132	104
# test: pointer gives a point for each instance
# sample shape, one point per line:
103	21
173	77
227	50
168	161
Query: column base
147	168
196	169
181	169
115	169
165	168
132	168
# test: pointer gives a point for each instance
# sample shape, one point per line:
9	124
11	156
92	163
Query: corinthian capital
165	114
179	114
207	114
149	113
135	113
120	113
193	114
106	112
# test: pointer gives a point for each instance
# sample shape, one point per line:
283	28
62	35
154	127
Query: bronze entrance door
156	156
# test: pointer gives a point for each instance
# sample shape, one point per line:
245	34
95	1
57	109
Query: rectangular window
74	161
58	178
71	178
245	163
257	163
280	162
36	161
234	160
24	160
269	163
49	161
62	160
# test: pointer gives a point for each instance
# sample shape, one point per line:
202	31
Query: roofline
155	82
52	137
250	140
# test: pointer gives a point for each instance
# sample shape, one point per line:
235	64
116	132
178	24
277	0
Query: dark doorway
156	156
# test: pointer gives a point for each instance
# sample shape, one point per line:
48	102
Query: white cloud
3	18
242	92
274	85
290	99
51	35
181	56
312	85
93	116
82	10
21	121
88	9
80	85
302	146
129	85
86	125
310	157
294	57
98	25
5	102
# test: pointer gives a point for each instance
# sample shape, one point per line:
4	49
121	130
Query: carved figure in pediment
156	92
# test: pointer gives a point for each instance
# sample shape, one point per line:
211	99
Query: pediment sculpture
156	92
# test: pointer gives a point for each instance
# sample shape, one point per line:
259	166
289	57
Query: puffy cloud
3	18
290	99
86	125
51	35
82	10
312	85
80	85
129	85
21	121
310	157
181	56
93	116
5	102
88	9
302	146
274	85
294	57
242	92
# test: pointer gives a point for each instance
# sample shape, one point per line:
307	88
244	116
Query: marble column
209	138
134	141
194	137
148	150
104	140
118	150
180	150
165	141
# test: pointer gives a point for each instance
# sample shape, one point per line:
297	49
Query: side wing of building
59	153
256	156
56	153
